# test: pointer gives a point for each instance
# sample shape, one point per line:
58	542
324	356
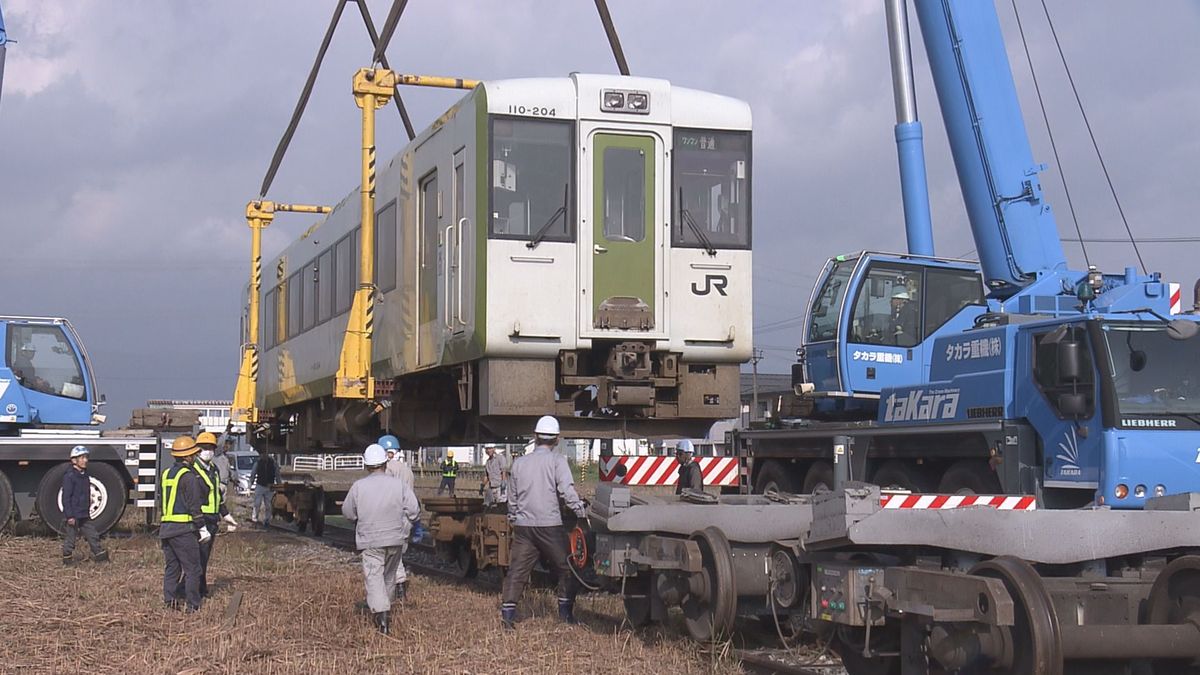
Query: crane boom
1013	226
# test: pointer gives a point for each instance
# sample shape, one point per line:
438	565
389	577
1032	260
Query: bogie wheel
904	475
6	501
819	477
711	604
970	477
317	516
1036	641
108	496
1175	599
778	477
464	560
637	600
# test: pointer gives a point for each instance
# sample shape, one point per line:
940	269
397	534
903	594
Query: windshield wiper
686	216
544	229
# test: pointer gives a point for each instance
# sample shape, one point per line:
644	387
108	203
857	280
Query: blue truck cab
45	376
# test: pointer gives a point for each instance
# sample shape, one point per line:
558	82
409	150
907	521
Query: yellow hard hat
206	437
184	446
449	454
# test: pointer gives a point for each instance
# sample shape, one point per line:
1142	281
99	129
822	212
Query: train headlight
625	101
1139	491
1122	491
1160	490
614	100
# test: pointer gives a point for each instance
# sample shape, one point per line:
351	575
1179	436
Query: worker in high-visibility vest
213	508
449	473
182	532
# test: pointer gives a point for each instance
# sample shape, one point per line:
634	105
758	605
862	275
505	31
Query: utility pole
754	359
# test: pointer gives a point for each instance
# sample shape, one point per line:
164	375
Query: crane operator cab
871	323
45	377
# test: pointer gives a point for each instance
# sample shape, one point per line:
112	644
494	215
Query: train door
430	210
453	249
624	257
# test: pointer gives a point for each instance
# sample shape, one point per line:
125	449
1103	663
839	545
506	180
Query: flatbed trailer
917	590
123	468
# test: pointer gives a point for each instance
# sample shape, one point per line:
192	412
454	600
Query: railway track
423	560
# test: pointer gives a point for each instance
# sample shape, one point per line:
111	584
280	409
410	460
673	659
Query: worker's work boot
566	610
508	616
382	622
101	557
68	560
399	594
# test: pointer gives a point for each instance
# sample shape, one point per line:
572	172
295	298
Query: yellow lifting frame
259	214
373	88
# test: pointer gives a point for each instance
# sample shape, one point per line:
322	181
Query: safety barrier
664	470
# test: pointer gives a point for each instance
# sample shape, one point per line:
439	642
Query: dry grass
297	616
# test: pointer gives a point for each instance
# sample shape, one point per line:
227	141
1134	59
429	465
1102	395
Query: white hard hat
79	451
374	455
685	446
900	293
546	426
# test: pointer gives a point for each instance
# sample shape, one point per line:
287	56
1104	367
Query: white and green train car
575	246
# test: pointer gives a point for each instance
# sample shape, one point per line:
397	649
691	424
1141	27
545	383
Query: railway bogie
542	248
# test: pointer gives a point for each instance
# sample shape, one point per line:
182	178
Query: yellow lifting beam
435	81
259	214
372	89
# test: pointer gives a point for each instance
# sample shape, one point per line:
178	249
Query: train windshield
532	179
711	189
42	359
1153	375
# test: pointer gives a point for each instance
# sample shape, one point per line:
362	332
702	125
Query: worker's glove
230	522
205	535
418	532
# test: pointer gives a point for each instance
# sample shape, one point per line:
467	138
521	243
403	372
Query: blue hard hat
389	442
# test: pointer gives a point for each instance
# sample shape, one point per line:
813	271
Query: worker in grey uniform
690	476
536	483
495	475
382	509
181	530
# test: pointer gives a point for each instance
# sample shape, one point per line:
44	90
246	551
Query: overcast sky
132	134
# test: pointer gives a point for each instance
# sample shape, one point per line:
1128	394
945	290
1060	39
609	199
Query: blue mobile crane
1015	374
48	400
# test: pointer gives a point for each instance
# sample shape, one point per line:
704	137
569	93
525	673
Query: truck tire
776	476
819	477
6	501
109	495
970	477
904	475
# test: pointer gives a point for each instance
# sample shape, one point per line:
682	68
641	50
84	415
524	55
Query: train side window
343	266
385	248
532	179
887	310
624	194
325	285
269	312
948	291
295	302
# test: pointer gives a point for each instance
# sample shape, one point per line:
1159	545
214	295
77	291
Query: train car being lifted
577	246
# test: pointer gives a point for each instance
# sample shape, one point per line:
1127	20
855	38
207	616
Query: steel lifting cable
1092	136
613	40
1053	146
366	15
298	112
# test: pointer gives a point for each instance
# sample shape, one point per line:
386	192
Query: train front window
1153	374
710	173
42	359
532	180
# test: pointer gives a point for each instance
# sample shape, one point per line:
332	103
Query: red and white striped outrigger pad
663	470
1000	502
